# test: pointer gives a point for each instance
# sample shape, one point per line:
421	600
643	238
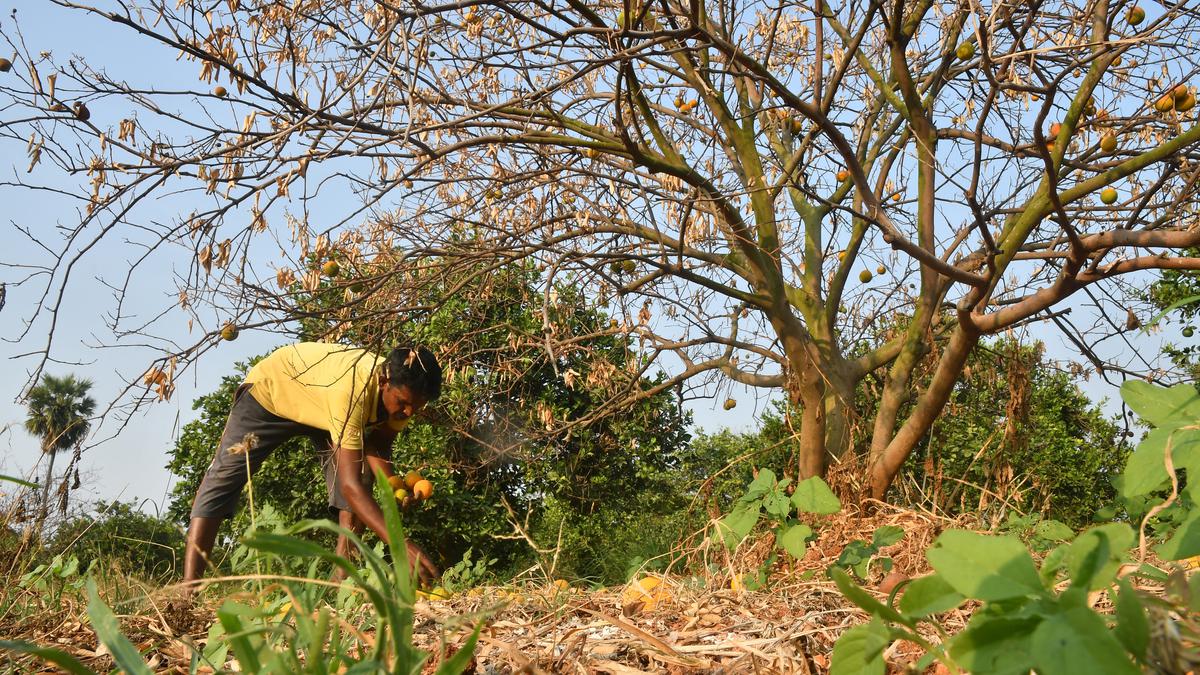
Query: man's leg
348	520
250	434
202	534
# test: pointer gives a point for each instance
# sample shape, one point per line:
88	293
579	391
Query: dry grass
704	626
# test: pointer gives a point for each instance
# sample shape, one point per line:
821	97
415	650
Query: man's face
400	402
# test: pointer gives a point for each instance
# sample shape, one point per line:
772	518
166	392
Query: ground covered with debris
703	623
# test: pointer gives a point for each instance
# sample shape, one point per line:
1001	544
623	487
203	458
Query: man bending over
349	401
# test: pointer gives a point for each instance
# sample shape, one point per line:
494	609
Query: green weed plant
296	623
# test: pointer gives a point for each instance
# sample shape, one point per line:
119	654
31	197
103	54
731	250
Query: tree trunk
886	464
44	506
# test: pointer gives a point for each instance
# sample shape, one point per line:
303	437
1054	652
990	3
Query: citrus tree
489	444
748	187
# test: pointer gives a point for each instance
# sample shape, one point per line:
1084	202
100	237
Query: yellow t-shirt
327	386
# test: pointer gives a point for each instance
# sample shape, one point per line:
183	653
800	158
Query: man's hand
427	573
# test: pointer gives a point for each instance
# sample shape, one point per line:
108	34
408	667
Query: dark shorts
251	433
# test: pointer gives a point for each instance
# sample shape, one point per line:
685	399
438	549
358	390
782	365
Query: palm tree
59	408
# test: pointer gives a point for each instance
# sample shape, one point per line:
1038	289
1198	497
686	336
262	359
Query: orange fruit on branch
423	489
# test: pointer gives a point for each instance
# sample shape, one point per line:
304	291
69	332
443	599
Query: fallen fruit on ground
649	591
423	489
1108	195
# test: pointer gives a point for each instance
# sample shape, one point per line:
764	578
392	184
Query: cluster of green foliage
1040	618
1054	452
592	490
123	537
295	625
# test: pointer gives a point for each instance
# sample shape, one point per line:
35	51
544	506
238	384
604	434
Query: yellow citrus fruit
965	51
1108	195
400	494
396	482
412	478
865	276
1108	142
229	332
423	489
1135	16
1165	103
1180	92
730	403
1055	129
439	593
331	268
649	591
1186	103
843	175
841	255
880	270
736	583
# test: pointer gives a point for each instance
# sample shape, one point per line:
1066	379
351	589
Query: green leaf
928	595
55	656
1053	530
734	527
856	594
813	495
1162	406
777	504
985	567
1144	470
1078	641
887	535
462	658
792	538
1185	542
1093	558
1133	629
860	650
108	631
244	640
1052	563
997	645
761	485
18	481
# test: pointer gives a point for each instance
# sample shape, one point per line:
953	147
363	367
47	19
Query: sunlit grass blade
108	631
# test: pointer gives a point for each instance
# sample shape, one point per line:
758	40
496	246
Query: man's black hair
417	368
